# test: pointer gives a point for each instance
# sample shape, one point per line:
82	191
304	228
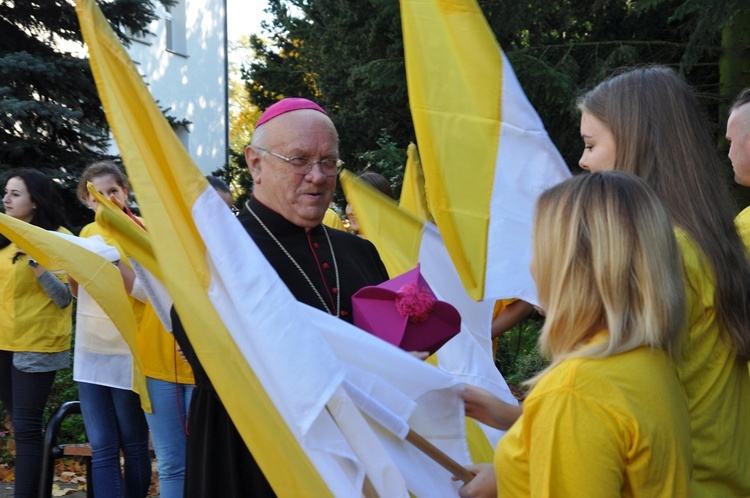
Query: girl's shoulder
92	228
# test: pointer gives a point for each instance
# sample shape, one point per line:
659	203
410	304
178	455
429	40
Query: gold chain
315	289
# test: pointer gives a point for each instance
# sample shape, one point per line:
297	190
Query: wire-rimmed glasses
303	165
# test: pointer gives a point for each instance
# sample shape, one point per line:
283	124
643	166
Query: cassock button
343	313
316	245
326	265
335	290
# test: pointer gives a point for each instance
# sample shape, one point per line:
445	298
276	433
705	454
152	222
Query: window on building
176	23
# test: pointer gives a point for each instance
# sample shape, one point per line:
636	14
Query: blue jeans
24	396
114	421
168	423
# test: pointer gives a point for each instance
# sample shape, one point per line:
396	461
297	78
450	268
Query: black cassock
218	461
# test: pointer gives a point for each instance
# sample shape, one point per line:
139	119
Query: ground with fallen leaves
70	477
69	480
70	472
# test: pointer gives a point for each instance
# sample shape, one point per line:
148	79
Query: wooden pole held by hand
441	458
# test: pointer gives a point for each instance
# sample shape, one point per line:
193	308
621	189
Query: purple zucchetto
288	104
405	312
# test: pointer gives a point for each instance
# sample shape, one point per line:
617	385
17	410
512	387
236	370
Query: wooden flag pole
368	490
438	456
397	426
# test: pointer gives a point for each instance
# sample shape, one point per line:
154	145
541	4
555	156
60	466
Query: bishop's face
300	198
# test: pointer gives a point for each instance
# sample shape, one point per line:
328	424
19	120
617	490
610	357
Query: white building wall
187	74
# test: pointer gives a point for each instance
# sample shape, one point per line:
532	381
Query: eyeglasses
303	165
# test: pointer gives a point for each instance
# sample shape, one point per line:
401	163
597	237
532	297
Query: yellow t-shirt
717	386
333	220
616	426
158	351
29	320
742	222
500	306
156	346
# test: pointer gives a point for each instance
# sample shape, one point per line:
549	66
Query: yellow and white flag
298	417
95	275
135	242
413	199
402	240
485	153
133	239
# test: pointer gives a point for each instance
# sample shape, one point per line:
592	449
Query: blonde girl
608	416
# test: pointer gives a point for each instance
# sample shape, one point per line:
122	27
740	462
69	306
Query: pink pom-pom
414	302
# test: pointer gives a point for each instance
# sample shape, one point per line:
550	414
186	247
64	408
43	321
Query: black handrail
53	451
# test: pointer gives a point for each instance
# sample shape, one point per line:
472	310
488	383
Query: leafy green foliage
348	55
517	355
702	20
388	160
50	114
237	176
66	389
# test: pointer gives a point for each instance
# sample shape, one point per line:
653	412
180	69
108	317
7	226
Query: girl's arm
484	406
56	289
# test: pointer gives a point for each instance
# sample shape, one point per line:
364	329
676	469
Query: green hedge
517	355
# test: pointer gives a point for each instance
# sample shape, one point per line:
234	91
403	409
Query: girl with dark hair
35	325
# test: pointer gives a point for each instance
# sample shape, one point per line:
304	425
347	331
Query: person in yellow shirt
507	314
168	376
738	136
608	416
647	122
104	367
376	181
333	220
35	323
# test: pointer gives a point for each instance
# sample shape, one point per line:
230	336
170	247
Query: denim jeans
24	396
115	421
168	423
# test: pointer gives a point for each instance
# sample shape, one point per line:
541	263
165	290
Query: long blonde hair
661	136
606	258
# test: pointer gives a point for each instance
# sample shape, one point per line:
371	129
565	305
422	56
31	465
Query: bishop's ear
252	158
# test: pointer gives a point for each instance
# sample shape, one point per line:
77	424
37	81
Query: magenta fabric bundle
405	312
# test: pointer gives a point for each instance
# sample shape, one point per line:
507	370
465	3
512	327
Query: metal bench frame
52	450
